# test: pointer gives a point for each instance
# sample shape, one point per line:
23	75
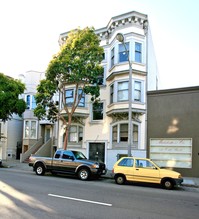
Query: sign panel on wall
171	152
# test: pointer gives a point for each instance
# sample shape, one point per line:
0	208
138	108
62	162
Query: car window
67	155
127	162
79	155
144	164
57	155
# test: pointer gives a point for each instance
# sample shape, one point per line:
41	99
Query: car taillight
112	170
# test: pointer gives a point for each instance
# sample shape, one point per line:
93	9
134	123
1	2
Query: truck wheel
168	184
84	174
120	179
40	169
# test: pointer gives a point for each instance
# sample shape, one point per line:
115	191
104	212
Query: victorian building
102	132
38	136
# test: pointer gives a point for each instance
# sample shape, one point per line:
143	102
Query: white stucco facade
106	139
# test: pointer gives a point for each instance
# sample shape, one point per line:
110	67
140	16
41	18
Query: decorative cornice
114	112
124	116
133	17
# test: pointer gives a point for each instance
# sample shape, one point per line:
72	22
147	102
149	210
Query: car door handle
137	169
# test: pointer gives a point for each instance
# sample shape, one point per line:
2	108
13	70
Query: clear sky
29	32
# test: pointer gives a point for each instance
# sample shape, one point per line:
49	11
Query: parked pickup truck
67	162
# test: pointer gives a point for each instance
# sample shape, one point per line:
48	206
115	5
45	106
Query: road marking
80	200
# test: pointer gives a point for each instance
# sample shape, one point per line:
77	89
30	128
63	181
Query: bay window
75	134
120	133
70	96
30	129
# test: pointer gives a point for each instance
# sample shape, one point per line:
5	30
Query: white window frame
112	57
73	91
30	105
124	143
28	128
128	46
77	134
115	97
122	90
140	52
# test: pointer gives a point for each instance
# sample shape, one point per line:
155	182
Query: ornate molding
116	117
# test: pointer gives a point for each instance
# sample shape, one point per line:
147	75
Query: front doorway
48	131
97	151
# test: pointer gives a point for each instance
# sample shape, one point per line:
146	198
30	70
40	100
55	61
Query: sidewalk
15	164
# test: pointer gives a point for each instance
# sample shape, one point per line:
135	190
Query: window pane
73	129
69	97
73	134
123	54
72	137
122	95
33	102
122	91
80	133
33	129
26	129
97	111
137	91
114	133
111	93
100	78
28	102
112	57
124	132
123	85
135	133
138	52
82	100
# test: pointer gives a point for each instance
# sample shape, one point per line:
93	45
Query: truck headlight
95	166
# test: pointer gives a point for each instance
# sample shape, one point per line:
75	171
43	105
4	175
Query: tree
76	64
10	89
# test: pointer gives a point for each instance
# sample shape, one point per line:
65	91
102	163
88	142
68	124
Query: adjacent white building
38	136
102	132
11	137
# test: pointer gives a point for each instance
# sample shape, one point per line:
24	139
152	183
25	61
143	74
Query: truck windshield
79	155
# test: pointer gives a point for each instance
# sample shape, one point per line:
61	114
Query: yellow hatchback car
144	170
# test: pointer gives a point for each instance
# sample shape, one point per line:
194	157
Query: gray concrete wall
174	113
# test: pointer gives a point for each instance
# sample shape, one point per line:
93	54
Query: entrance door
47	134
97	151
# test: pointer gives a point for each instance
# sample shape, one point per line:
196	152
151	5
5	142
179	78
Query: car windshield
79	155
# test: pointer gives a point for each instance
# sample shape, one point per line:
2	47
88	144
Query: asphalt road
25	195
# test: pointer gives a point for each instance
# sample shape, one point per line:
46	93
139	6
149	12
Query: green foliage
76	64
10	89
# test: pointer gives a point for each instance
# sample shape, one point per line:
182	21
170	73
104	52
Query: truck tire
40	169
84	174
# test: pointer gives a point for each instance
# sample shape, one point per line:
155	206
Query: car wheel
120	179
84	174
168	184
40	169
